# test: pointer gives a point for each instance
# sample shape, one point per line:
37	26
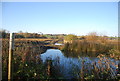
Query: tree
92	36
70	38
4	33
20	31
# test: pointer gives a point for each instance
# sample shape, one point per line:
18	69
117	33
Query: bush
70	38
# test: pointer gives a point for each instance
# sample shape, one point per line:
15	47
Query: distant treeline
6	34
20	34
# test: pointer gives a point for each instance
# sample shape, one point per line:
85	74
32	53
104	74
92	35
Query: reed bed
91	47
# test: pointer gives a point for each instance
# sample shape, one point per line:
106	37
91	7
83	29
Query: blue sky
78	18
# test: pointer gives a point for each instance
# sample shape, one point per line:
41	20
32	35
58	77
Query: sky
77	18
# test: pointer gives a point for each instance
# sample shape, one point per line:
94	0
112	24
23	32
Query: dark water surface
70	66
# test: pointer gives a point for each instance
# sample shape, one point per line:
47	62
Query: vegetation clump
91	44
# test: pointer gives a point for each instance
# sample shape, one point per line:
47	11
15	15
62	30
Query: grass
92	47
24	60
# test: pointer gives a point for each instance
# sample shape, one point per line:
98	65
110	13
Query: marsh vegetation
85	57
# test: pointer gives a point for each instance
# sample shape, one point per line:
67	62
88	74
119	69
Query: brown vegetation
93	44
26	61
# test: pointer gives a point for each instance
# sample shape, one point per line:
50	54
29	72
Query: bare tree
92	36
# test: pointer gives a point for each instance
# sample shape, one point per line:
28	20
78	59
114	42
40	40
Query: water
58	44
68	65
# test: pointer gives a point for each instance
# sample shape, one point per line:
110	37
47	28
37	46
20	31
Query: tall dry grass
92	43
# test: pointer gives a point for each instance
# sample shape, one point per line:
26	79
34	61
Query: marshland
62	57
60	41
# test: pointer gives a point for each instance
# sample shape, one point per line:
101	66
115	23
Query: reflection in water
69	66
77	55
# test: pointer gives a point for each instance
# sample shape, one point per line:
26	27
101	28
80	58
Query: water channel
70	66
